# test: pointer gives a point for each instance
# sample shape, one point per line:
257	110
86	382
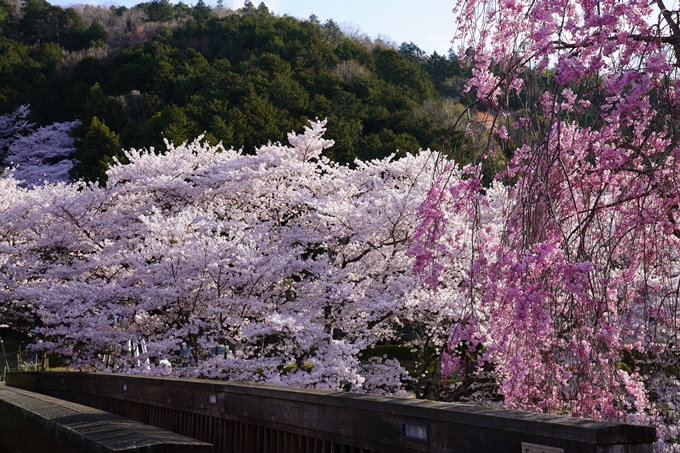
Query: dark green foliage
245	79
158	10
74	35
9	19
96	152
200	12
332	32
413	53
349	49
448	75
171	124
400	352
248	8
120	10
42	22
25	75
95	32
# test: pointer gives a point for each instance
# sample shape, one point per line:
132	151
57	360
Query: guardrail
246	418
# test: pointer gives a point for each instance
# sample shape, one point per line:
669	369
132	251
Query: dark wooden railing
245	418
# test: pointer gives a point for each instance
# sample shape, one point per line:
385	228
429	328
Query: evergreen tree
95	152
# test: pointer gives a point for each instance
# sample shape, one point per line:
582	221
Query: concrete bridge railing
35	423
245	418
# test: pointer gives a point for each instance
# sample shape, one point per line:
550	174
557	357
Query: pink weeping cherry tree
571	289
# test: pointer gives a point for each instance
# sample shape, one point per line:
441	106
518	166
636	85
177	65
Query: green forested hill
246	77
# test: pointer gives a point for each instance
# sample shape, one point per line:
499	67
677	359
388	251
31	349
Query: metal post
4	356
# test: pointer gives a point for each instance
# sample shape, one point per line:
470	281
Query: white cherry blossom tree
277	267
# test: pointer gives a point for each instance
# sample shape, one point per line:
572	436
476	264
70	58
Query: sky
427	23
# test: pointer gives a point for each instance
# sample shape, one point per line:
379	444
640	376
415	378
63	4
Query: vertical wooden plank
248	438
233	437
260	439
217	445
241	438
211	429
229	440
237	438
268	446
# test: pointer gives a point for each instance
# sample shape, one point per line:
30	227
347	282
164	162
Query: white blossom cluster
35	156
277	267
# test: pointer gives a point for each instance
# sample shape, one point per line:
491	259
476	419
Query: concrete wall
254	418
